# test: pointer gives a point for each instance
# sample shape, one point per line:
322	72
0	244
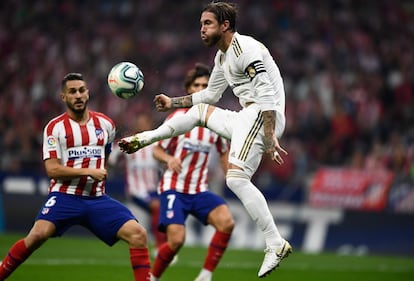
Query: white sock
177	125
255	204
205	273
153	278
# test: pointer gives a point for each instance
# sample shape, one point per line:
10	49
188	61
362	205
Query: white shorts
245	131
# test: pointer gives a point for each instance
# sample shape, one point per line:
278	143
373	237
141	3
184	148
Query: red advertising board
350	189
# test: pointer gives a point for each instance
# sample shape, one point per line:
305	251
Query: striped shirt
79	146
193	149
141	171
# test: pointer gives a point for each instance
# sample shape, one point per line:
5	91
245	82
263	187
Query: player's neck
224	44
80	117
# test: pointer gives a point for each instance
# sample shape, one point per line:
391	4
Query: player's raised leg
175	126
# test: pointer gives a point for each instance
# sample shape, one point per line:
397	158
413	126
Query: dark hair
199	70
223	11
71	77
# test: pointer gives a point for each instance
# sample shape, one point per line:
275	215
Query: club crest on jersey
253	69
45	211
170	214
99	134
251	72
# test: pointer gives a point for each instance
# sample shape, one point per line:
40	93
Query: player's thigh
40	232
176	234
221	218
204	203
246	147
220	121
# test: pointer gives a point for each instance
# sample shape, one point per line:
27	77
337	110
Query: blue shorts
103	215
176	206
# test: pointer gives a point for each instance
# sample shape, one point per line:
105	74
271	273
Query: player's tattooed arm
269	121
270	142
184	101
164	102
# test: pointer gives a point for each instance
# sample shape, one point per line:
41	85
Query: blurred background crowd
348	68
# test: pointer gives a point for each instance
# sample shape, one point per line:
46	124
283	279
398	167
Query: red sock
17	254
141	265
216	250
164	257
160	237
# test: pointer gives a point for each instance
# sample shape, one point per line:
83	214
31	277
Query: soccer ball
125	80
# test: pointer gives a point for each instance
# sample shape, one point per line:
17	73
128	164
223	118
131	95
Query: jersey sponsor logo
84	152
196	147
51	142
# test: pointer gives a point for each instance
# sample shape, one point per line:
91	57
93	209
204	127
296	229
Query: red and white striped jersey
193	149
79	146
142	171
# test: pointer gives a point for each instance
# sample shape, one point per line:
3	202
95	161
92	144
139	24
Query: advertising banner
350	189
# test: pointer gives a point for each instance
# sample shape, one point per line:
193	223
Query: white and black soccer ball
125	80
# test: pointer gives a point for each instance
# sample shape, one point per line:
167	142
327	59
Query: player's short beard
212	41
77	111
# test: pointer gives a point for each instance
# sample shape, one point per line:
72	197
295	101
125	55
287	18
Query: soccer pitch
86	258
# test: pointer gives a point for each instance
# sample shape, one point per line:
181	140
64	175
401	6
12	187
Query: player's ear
225	26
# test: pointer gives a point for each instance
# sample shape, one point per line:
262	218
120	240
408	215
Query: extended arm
212	94
164	103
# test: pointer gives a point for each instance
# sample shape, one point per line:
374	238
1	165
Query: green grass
80	258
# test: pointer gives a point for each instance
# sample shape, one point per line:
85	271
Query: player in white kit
245	65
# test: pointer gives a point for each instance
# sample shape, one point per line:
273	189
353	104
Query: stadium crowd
348	67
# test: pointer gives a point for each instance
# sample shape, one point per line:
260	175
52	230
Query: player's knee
198	114
227	225
35	239
222	219
175	236
236	178
135	234
176	242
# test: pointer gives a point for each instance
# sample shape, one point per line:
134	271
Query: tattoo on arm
269	119
269	122
184	101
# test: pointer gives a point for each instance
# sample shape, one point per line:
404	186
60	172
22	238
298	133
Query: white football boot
273	257
133	143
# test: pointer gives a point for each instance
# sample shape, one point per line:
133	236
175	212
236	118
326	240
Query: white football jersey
79	146
193	148
142	171
249	69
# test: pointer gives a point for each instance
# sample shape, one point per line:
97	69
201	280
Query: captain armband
254	68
